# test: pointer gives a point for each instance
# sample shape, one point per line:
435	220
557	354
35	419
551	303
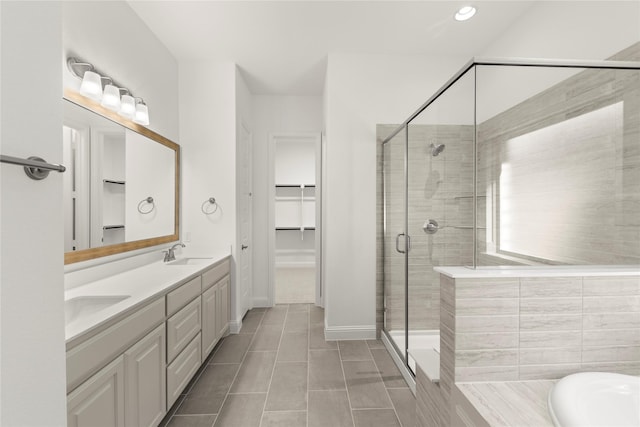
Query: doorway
295	207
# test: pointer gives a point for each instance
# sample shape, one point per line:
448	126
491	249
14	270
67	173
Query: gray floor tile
325	370
251	322
329	408
296	322
299	307
241	410
375	344
365	387
210	390
192	421
267	338
405	403
275	315
232	349
255	372
293	347
388	370
284	419
316	315
375	418
288	391
354	350
316	338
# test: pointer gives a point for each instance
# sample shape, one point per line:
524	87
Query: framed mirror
122	189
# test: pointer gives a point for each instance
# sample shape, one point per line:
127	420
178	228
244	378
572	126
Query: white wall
111	36
362	91
273	114
207	138
32	350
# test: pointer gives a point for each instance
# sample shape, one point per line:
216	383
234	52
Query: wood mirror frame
92	253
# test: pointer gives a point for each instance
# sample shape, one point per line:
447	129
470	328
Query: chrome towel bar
35	167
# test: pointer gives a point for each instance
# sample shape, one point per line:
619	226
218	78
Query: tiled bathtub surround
523	328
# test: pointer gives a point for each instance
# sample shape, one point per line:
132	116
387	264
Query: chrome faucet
169	255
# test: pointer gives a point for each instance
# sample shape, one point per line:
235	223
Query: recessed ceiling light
465	13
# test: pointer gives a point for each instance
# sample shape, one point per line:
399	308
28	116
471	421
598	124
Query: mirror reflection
121	186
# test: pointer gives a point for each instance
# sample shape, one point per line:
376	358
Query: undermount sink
190	261
595	399
78	307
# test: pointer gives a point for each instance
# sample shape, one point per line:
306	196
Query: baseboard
235	326
350	333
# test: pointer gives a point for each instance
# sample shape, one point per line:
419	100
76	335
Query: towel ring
149	201
212	202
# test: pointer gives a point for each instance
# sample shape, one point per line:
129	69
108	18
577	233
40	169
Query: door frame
315	137
245	303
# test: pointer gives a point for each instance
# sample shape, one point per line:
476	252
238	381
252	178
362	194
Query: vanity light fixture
112	97
142	113
464	13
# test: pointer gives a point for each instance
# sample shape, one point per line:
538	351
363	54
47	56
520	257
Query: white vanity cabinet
122	392
99	401
215	306
145	387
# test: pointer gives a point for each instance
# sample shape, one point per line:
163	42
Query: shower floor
418	340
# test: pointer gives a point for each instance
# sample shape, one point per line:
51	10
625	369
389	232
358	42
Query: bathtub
595	399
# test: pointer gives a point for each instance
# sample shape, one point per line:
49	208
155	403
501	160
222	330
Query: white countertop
538	271
142	284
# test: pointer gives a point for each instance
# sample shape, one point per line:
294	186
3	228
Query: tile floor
279	371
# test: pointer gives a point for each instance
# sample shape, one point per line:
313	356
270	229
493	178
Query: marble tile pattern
508	329
279	371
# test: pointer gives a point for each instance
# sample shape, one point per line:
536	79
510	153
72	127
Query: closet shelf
113	227
295	186
113	181
295	228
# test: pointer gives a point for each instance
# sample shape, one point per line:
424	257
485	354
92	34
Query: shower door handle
408	242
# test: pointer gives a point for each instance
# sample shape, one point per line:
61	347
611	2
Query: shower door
395	241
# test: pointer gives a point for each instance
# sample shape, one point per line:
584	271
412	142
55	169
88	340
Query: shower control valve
431	226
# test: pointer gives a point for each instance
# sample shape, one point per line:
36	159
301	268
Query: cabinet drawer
210	277
93	354
182	327
180	297
181	370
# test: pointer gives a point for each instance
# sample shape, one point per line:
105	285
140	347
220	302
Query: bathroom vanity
135	339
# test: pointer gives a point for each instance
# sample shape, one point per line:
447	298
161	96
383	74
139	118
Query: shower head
436	149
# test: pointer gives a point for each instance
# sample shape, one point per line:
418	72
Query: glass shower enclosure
510	163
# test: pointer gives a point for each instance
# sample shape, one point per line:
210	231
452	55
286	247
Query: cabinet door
209	328
99	401
182	327
222	318
145	376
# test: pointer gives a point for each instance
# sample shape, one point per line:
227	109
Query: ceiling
281	47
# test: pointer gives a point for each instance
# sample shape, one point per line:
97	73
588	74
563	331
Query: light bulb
91	86
127	107
111	98
142	114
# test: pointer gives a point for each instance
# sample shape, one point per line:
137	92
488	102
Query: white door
245	220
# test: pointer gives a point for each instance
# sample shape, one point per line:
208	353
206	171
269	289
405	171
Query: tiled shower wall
504	329
439	188
573	151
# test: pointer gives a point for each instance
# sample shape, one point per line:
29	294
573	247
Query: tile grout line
344	376
244	356
273	369
386	390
